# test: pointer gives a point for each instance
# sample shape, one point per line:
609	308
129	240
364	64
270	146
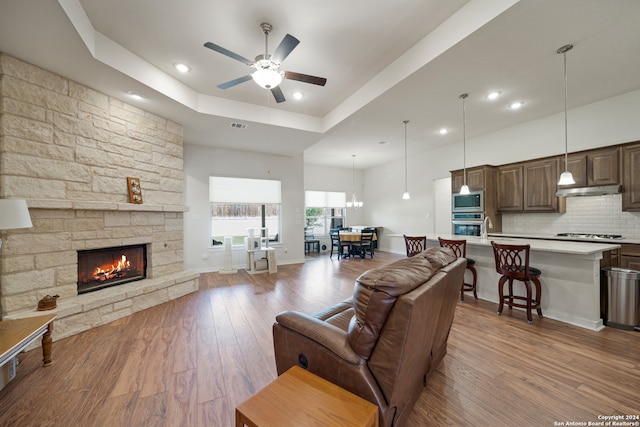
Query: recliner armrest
325	334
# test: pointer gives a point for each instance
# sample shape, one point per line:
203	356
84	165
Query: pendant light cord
464	138
566	138
405	155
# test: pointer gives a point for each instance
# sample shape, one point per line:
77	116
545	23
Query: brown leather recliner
384	342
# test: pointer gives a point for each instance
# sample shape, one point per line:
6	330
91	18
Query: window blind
244	190
325	199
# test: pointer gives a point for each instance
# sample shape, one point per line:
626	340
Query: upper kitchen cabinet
577	165
476	179
631	177
540	179
603	166
529	187
510	188
594	167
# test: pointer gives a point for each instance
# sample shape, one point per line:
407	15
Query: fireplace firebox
100	268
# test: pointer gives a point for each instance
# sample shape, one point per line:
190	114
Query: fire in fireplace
100	268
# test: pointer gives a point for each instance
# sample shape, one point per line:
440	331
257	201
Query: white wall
609	122
202	162
323	178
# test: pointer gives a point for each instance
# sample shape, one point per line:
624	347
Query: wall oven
472	202
467	224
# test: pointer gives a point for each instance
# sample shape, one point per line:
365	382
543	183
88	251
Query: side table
300	398
17	334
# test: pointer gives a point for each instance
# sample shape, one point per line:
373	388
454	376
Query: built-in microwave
472	202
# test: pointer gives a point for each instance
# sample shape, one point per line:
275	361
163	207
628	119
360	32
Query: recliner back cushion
376	291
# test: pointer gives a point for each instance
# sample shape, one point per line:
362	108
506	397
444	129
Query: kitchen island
570	275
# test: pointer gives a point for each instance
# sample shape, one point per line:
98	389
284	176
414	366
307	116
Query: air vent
237	125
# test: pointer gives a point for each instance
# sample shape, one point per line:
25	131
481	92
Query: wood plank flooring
189	362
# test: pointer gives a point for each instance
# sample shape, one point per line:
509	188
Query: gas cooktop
594	236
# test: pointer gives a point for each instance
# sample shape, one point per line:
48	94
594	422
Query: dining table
353	236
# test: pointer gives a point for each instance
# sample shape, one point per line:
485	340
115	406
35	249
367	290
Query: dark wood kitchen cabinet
476	179
528	186
540	179
593	167
577	165
630	256
510	188
603	166
631	177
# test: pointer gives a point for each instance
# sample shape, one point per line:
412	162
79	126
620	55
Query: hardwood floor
189	362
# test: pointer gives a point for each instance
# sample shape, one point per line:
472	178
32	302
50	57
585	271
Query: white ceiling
384	61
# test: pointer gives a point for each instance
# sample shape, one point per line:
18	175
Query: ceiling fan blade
234	82
277	94
285	47
320	81
228	53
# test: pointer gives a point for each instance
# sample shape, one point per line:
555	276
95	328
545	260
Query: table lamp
14	214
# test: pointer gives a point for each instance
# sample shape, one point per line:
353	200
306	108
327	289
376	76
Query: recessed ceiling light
443	131
135	95
183	68
298	95
516	105
493	95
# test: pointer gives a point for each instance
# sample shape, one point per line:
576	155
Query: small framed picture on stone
135	192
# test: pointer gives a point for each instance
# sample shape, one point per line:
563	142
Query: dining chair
364	245
311	244
337	243
414	244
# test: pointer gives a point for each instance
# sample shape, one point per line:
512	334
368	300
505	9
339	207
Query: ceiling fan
267	73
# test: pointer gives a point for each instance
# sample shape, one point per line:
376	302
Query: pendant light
465	188
405	195
566	178
354	203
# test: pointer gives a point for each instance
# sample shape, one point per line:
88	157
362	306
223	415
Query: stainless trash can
623	297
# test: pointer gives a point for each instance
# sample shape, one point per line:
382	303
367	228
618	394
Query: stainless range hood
600	190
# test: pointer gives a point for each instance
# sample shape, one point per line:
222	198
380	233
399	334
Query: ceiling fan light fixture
267	77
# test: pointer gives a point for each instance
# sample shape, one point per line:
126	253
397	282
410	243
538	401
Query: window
324	210
240	203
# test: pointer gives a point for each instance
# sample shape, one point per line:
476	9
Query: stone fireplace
68	150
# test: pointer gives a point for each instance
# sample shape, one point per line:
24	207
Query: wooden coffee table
300	398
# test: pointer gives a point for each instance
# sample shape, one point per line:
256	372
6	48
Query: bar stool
512	263
414	244
459	248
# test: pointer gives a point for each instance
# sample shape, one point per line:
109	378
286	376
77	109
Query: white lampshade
566	178
267	78
14	214
464	190
406	196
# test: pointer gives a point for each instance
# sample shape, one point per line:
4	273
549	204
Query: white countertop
623	240
537	243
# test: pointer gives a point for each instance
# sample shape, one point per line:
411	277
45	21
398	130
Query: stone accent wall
68	150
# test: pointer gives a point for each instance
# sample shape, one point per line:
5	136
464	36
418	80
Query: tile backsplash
593	214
